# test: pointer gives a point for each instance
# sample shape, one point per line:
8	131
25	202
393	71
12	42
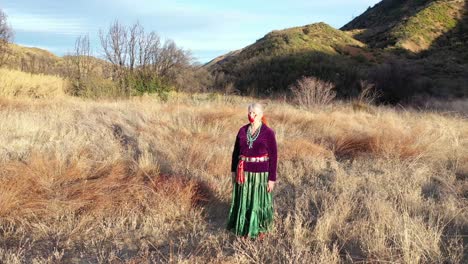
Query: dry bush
310	91
366	98
368	94
230	89
141	180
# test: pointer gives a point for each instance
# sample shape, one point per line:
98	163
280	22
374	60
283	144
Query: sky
208	28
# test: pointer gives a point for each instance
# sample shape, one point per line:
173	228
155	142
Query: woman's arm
273	155
235	154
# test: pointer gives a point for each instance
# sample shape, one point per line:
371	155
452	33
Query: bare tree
6	35
136	36
83	57
149	45
80	64
139	57
114	44
170	57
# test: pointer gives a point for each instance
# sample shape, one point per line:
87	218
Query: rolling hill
282	56
408	49
33	60
317	37
41	61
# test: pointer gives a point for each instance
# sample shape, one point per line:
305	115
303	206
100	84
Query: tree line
133	62
137	62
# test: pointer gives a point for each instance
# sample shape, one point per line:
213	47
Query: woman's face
254	116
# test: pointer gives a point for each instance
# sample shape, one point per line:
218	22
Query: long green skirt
251	210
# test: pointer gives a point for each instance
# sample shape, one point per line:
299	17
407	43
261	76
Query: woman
253	168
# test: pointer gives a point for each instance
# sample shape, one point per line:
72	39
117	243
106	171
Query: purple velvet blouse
264	144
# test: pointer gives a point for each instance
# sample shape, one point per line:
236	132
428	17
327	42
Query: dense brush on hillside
317	37
411	25
431	38
145	181
281	57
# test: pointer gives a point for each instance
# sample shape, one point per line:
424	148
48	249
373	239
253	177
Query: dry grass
22	84
144	181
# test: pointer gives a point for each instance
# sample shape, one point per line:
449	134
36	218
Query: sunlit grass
15	83
142	180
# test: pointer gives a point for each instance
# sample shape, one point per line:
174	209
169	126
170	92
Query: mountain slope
281	56
406	48
411	25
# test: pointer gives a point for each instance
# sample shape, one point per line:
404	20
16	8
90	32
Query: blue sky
208	28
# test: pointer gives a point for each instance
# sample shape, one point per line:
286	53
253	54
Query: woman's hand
271	186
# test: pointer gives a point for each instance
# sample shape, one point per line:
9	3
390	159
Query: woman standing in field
253	167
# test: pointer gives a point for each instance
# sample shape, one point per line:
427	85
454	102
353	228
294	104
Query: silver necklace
251	138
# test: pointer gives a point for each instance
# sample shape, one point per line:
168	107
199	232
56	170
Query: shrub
395	80
310	91
97	87
139	83
368	94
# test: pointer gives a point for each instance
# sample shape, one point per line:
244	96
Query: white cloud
45	23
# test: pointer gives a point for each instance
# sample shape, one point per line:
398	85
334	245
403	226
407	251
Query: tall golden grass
22	84
146	181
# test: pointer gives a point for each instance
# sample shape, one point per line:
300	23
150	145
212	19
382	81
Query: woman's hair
259	109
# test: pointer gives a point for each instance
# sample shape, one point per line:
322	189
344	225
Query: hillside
314	37
288	54
408	49
33	60
410	25
430	37
40	61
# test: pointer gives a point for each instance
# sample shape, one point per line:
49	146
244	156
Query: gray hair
256	106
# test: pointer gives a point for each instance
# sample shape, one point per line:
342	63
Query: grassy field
144	181
14	83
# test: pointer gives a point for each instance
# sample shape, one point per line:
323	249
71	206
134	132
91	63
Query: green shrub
97	87
140	85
